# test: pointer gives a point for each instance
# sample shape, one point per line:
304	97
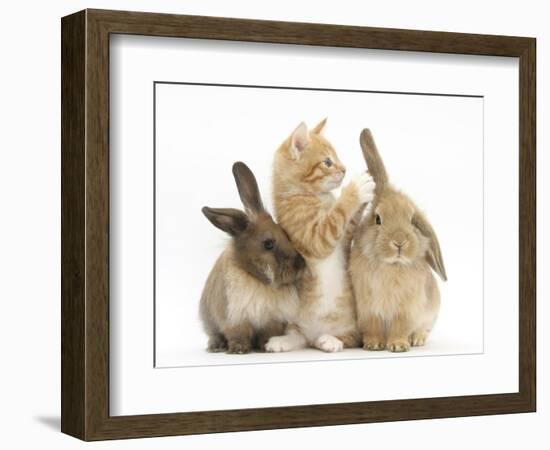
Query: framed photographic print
271	224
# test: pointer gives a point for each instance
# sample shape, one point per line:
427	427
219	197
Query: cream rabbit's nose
399	240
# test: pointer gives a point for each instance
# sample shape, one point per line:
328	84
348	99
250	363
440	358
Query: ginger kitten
306	169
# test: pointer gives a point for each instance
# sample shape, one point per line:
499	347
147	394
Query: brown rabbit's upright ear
320	126
230	220
433	255
248	188
374	162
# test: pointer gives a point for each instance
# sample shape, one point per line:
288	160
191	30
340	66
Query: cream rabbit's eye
378	220
328	162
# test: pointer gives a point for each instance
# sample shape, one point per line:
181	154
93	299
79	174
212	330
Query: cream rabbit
251	292
394	248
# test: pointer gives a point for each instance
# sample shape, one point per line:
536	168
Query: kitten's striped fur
306	169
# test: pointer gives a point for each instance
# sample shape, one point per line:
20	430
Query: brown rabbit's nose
299	262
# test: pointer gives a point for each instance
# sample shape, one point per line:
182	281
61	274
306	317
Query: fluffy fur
306	170
394	247
251	292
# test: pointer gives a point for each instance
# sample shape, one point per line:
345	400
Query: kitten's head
306	161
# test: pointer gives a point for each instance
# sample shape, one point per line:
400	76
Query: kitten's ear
320	126
298	140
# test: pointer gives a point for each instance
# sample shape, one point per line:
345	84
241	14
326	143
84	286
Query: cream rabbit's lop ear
248	188
433	255
374	162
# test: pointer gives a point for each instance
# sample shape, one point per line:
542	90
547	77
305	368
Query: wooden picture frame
85	224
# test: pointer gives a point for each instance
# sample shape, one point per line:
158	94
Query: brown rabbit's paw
374	345
239	347
418	338
398	346
217	344
260	342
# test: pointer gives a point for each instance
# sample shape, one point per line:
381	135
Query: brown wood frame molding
85	224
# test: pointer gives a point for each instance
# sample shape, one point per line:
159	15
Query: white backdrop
432	146
30	230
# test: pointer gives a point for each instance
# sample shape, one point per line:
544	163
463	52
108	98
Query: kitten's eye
378	220
269	244
328	162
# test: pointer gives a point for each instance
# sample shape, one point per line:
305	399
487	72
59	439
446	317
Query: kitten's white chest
331	273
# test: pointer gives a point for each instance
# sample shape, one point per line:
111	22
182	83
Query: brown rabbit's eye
269	244
328	162
378	220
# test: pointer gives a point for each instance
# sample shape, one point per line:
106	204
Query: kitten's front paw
329	344
398	346
278	344
365	186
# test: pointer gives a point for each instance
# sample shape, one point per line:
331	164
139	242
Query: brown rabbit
394	248
251	292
